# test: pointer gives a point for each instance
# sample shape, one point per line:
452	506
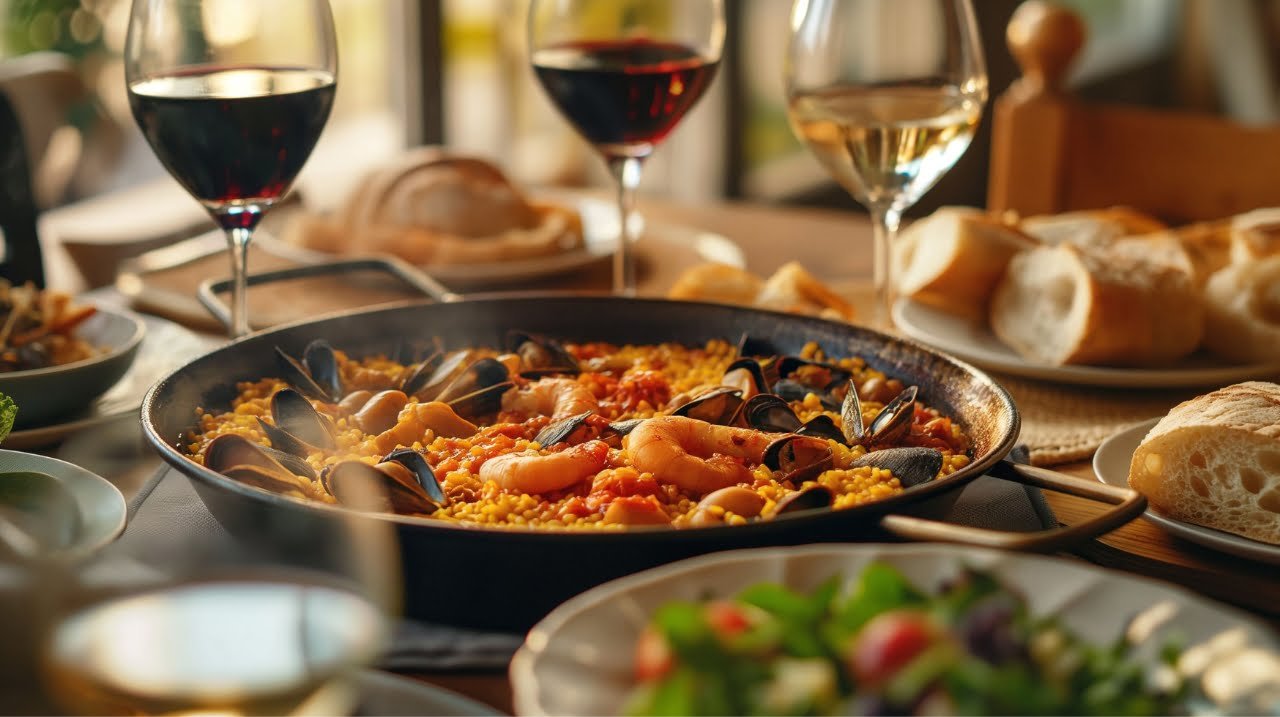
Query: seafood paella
543	434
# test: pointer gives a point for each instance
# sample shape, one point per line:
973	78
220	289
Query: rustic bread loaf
716	282
1255	235
1066	305
953	258
1090	227
1242	311
1215	461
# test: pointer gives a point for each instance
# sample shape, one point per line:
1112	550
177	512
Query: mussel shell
770	413
272	480
417	377
230	450
851	416
359	485
795	391
749	345
446	370
622	428
821	426
719	405
788	365
541	353
284	441
894	420
910	465
411	351
478	376
297	376
747	375
295	415
421	470
561	430
481	403
321	364
815	497
799	458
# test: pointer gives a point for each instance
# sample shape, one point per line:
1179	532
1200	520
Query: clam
911	466
365	487
798	458
230	450
561	430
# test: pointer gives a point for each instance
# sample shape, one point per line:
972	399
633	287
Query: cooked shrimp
555	397
695	456
531	472
416	420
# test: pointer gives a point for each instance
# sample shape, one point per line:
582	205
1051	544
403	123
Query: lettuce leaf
8	413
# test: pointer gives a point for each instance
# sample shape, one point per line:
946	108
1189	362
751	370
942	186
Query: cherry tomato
888	642
653	659
727	618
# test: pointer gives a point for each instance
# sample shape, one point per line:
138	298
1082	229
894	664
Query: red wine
624	96
234	135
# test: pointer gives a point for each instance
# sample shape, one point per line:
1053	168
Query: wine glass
232	96
624	73
887	94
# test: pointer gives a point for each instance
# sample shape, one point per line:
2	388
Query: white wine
218	647
886	146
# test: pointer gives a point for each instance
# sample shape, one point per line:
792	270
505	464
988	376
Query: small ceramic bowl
48	394
98	510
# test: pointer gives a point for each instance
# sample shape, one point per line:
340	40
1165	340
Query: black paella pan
508	579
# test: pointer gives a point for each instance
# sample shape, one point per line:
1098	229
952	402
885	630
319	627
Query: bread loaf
1090	227
1065	305
1242	311
1215	461
953	258
1255	235
792	288
716	282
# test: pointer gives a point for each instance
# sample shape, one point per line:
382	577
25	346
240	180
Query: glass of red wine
624	73
232	97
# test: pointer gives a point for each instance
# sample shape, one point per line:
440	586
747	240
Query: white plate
166	347
1111	465
578	659
974	342
600	236
102	506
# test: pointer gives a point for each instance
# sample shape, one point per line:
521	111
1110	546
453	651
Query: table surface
836	246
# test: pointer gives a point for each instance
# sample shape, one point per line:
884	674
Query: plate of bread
462	220
1109	297
1210	469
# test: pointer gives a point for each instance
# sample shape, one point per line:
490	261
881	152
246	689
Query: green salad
887	647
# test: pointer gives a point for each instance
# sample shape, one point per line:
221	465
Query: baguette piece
953	258
1091	227
1215	461
716	282
1065	305
1242	319
1255	235
792	288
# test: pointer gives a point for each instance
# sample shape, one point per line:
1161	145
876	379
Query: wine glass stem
884	220
238	242
626	171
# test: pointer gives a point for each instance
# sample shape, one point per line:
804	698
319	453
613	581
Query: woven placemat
1066	424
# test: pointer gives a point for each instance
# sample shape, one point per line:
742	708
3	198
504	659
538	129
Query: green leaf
881	588
8	413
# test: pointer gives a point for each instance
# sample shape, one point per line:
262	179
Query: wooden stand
1053	153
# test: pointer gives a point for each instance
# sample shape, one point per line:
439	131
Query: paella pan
814	464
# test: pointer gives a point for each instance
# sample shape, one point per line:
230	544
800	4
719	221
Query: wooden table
836	246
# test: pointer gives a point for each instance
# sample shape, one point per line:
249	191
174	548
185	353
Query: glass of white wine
887	94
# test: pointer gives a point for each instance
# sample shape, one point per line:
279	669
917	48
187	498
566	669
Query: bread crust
1215	461
1242	320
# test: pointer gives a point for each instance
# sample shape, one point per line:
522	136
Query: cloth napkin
169	526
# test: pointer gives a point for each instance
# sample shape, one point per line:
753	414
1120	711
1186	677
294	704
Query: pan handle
209	289
1128	505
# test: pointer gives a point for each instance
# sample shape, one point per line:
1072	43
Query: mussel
421	471
894	420
540	355
317	375
391	490
415	379
798	458
561	430
719	405
746	375
298	428
230	450
911	465
427	381
770	413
